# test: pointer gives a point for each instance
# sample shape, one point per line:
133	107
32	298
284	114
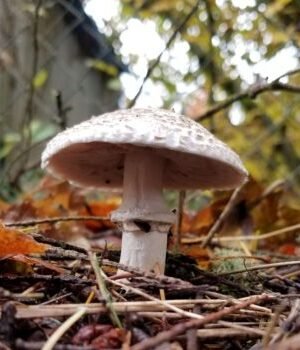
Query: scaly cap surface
92	152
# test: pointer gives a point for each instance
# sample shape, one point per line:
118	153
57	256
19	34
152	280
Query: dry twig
263	267
259	237
54	220
222	217
183	327
63	328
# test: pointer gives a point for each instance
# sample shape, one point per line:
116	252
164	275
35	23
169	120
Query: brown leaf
101	336
109	340
19	212
54	201
205	218
201	255
87	333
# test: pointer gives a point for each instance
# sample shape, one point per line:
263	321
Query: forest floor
236	293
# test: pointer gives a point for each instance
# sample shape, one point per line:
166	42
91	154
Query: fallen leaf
103	208
201	255
289	249
112	339
19	212
101	336
14	242
205	218
87	333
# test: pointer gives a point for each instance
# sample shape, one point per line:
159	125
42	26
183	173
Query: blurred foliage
222	45
224	42
40	79
37	132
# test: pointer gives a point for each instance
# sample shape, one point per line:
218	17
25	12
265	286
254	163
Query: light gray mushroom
143	150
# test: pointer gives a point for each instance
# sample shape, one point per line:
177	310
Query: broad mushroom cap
92	153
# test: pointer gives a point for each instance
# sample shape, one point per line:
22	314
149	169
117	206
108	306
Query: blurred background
232	65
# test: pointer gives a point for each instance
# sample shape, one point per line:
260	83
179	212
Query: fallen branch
140	273
58	310
54	220
32	345
150	297
183	327
263	267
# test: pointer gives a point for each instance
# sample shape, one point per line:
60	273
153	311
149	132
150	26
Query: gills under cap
92	153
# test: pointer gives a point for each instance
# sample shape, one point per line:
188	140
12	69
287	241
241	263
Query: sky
136	36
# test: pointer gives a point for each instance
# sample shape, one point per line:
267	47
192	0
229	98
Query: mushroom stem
146	251
144	215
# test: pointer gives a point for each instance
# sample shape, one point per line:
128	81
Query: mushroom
143	150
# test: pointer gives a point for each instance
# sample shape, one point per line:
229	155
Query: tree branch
168	44
252	93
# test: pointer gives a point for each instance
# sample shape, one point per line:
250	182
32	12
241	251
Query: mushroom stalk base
146	251
143	215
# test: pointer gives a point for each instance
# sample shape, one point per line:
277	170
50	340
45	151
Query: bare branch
252	93
168	44
289	73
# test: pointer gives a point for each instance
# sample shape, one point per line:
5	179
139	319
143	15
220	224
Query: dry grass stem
63	328
258	237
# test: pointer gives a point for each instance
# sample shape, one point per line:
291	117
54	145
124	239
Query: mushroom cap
92	153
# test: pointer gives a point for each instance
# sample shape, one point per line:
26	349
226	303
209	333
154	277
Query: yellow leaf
164	5
277	6
280	37
40	78
103	67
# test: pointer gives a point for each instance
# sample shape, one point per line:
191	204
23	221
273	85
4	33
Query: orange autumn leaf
205	218
3	206
185	223
55	201
201	255
104	209
289	249
15	242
